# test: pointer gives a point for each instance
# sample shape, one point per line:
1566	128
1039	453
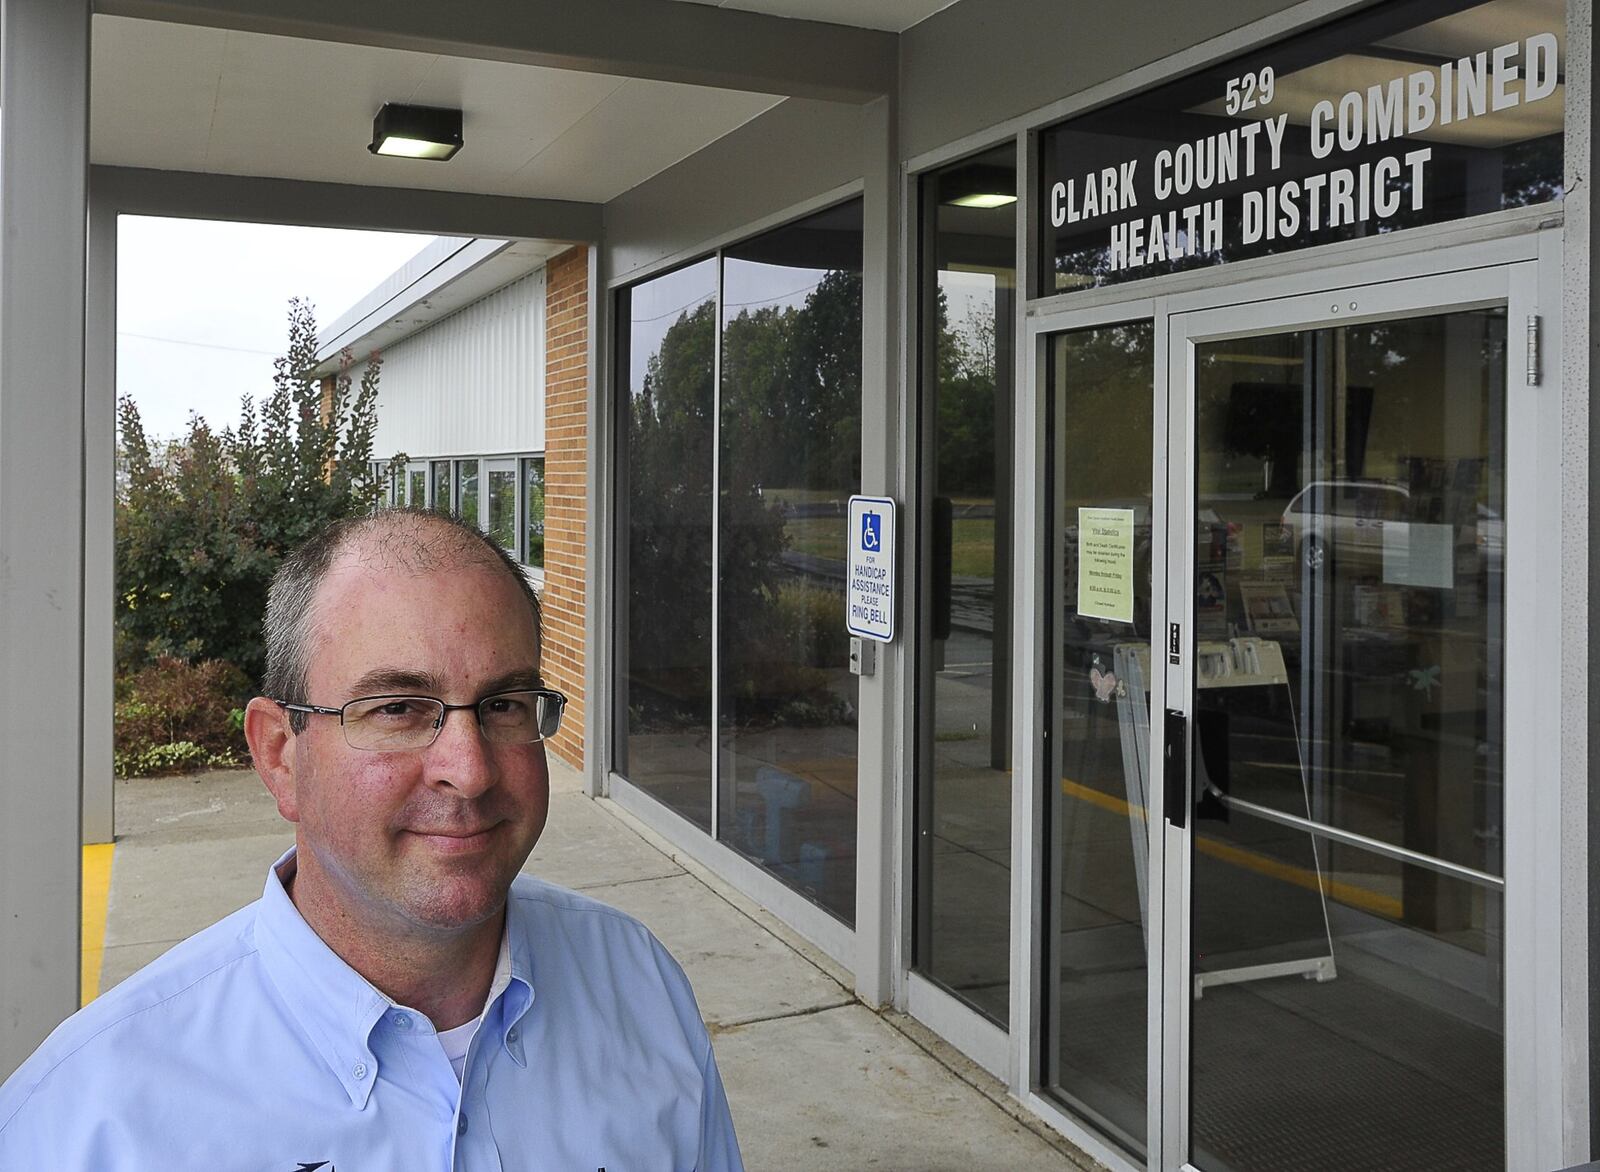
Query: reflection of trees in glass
1107	460
469	490
791	426
443	502
503	508
966	373
669	519
791	386
1532	171
791	443
533	511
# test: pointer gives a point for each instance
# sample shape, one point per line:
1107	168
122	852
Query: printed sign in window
1105	564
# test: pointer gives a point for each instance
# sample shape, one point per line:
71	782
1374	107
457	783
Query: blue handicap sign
871	531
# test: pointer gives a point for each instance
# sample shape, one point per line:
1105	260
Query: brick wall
566	428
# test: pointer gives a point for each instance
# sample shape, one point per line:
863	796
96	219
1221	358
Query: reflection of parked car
1217	545
1347	515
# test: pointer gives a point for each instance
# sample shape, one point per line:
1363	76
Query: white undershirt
458	1041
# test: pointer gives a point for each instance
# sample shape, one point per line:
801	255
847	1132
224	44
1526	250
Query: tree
202	523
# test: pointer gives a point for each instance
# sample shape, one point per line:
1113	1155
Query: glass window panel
790	460
1102	398
442	500
533	511
467	482
1371	619
963	773
503	507
667	353
418	489
1386	119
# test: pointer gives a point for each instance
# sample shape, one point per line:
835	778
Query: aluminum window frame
833	936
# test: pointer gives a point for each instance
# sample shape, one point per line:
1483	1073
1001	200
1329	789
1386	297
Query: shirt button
402	1021
359	1070
461	1126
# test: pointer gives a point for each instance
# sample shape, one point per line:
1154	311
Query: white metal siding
471	384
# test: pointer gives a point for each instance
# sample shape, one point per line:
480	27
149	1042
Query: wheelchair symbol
871	531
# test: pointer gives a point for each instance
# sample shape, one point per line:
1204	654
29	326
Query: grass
973	540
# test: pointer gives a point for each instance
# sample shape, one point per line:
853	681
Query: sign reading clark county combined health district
869	586
1300	163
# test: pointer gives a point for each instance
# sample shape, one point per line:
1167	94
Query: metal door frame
1521	271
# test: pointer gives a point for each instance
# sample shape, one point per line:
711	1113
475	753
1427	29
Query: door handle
1175	769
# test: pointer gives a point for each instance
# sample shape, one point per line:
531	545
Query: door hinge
1533	349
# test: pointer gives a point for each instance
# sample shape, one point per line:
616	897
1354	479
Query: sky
202	306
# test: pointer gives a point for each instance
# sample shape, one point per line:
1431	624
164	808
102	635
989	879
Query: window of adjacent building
514	492
962	934
533	511
732	557
502	519
467	490
442	500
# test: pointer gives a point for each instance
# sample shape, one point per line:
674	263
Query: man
400	997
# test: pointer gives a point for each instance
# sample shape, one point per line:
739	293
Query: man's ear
266	729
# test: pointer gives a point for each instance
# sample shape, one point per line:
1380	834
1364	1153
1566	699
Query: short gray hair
405	540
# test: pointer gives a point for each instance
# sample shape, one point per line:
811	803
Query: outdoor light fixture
416	132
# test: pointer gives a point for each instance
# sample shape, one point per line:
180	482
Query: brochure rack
1248	662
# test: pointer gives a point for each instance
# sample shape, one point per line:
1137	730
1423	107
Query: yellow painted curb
96	897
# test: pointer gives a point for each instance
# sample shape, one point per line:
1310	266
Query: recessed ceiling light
416	132
983	199
978	185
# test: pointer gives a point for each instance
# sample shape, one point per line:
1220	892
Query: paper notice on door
1105	564
1415	554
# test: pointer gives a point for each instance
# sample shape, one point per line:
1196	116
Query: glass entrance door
1336	795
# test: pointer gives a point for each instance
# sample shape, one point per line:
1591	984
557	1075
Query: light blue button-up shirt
251	1046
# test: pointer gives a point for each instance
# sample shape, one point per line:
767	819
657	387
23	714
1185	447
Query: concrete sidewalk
817	1081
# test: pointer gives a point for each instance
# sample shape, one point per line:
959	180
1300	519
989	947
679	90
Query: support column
600	537
99	537
44	107
879	772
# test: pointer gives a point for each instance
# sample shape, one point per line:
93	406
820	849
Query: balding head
391	541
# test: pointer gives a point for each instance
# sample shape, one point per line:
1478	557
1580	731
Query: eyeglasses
387	724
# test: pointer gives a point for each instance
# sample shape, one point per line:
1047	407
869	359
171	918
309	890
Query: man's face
427	839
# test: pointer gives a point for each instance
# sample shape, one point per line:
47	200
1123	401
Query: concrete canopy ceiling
894	16
187	97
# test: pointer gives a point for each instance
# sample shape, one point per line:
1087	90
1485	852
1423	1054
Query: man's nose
460	756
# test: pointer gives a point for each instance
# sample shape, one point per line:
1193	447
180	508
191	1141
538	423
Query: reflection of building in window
485	362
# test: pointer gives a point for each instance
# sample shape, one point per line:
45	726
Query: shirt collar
337	1007
513	979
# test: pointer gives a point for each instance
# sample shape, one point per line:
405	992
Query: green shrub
175	757
175	716
812	617
202	523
